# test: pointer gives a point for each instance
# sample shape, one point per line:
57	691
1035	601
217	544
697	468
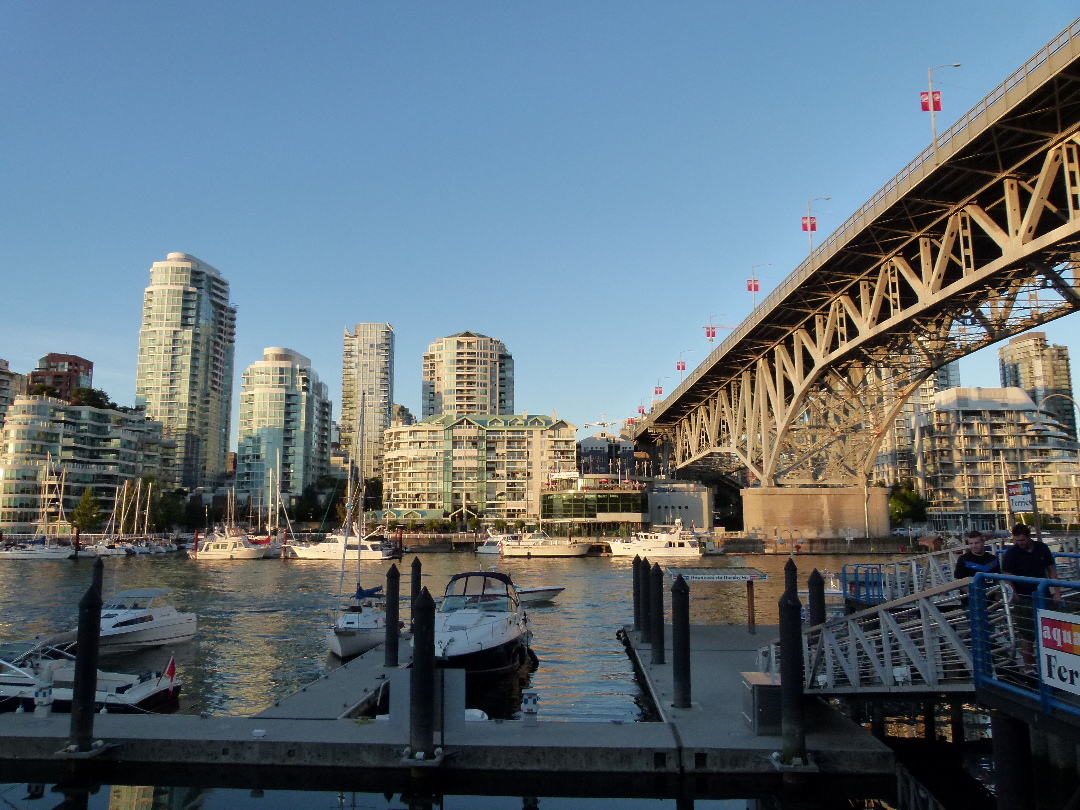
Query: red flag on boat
170	670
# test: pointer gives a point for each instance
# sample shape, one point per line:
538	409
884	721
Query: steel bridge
974	241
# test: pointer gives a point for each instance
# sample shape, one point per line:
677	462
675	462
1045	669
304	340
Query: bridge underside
969	246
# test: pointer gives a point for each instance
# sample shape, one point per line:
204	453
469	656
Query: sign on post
1020	495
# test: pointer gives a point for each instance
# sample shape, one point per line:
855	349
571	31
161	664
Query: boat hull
652	550
141	639
332	551
552	550
348	642
492	661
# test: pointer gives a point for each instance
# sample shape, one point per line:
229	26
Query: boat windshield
129	603
478	593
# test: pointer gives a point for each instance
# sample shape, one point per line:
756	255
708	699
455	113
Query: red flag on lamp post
680	365
752	285
809	223
658	391
924	98
710	332
641	409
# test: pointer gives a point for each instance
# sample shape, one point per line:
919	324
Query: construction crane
710	328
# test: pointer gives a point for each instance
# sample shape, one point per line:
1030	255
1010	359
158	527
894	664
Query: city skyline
593	185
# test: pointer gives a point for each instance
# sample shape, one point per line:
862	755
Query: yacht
336	547
227	546
540	544
481	626
141	618
666	541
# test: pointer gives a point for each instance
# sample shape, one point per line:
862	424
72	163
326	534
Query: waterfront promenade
312	738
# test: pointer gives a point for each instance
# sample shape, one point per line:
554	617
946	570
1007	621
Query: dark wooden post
393	609
646	602
81	733
680	642
816	586
422	676
792	722
656	613
414	584
637	591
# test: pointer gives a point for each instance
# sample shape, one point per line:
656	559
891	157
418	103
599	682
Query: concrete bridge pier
816	512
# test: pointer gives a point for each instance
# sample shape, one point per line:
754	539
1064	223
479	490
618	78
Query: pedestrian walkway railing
921	643
1028	648
876	583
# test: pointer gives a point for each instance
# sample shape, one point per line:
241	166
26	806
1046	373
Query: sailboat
359	625
45	545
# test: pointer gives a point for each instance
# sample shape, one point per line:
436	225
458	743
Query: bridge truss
972	243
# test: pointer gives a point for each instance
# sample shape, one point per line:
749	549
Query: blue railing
863	582
1026	649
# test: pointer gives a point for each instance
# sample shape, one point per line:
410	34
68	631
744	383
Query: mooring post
646	602
751	611
393	609
816	586
1014	775
97	575
636	566
792	722
81	733
422	677
680	642
414	594
656	613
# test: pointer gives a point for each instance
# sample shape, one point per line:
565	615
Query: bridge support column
800	513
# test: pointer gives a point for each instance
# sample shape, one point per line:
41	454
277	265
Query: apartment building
467	373
367	381
1042	370
64	373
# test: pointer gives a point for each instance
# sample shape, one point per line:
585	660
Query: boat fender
534	659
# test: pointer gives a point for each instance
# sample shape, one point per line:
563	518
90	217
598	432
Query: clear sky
589	182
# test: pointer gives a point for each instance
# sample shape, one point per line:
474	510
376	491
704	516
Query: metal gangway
923	643
879	582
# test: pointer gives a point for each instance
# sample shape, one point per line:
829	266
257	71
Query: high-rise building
284	443
467	373
185	371
367	379
11	386
475	466
1042	370
63	372
47	443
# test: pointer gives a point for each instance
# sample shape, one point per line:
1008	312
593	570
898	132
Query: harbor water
261	626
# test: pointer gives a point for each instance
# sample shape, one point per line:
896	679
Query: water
261	633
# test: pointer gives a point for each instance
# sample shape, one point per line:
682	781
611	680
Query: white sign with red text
1059	650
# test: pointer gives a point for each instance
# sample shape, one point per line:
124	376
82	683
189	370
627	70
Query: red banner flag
924	98
752	285
809	223
710	332
658	391
680	366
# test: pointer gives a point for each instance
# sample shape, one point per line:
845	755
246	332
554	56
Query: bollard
680	642
530	700
422	678
97	576
81	734
646	602
636	566
816	586
656	613
792	723
393	608
414	594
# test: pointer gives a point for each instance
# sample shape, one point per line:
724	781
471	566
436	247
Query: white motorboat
481	626
30	674
539	593
40	549
141	618
224	546
332	548
493	543
666	541
359	627
540	544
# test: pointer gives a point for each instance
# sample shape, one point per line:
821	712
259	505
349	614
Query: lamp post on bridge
681	365
752	285
810	224
932	103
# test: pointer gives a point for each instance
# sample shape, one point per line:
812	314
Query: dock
315	737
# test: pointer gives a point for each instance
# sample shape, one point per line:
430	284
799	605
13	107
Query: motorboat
492	544
538	594
370	547
481	626
540	544
226	546
665	541
31	675
41	549
141	618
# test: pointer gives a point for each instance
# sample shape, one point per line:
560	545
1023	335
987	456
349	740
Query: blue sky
590	182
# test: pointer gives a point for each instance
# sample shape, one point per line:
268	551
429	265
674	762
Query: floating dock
315	738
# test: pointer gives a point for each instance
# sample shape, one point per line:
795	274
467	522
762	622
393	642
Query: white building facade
185	372
467	373
284	439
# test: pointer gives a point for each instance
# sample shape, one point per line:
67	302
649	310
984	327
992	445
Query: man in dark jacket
1028	558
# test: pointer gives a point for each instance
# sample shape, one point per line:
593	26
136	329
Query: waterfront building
895	461
185	369
607	454
367	374
49	444
492	466
974	440
11	386
688	501
1042	370
467	373
284	437
594	504
64	373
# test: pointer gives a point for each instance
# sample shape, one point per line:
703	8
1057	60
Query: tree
474	524
93	397
906	504
43	390
87	513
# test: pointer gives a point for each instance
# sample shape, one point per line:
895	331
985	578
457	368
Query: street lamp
752	282
681	365
810	223
932	104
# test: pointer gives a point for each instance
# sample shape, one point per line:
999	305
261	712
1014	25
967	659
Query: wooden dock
313	738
